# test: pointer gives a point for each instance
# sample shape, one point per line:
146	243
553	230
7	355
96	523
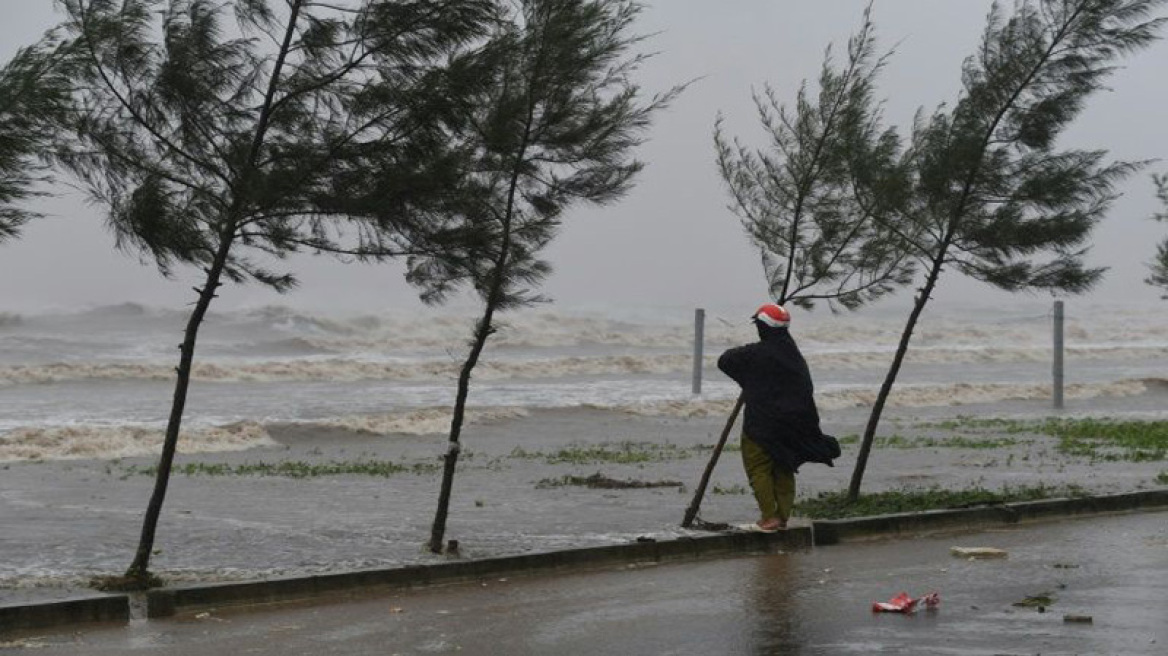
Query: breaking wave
346	370
956	394
556	328
103	442
82	442
427	421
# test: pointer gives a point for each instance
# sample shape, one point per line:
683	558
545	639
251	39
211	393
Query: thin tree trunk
1065	29
450	460
886	388
482	332
140	568
691	513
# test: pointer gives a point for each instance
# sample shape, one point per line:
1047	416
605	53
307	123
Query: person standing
780	430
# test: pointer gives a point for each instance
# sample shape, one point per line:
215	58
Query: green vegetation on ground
834	505
728	489
1095	439
620	453
291	469
729	447
951	442
599	481
1111	440
990	424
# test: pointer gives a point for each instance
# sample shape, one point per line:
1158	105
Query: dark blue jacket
780	400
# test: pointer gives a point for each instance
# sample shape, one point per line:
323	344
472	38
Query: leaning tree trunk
483	330
450	460
886	388
139	569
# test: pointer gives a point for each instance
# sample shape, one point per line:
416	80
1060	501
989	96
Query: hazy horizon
672	241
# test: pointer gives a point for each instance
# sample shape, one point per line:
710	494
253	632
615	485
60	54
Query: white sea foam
501	368
281	364
79	442
99	442
546	329
426	421
902	396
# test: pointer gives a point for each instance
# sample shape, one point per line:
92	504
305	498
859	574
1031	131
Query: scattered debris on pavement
902	603
1039	601
978	553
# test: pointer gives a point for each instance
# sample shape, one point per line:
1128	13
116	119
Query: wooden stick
692	512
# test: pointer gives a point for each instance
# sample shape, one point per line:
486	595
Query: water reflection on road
814	602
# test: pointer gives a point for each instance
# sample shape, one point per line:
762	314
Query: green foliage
817	200
835	505
228	134
207	126
1162	478
993	197
33	93
1159	265
552	121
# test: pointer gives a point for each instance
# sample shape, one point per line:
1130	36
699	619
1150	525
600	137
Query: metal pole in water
1058	355
699	338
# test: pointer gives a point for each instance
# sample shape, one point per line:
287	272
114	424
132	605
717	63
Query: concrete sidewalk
1113	569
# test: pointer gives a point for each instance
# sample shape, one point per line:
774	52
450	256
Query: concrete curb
193	598
834	531
78	610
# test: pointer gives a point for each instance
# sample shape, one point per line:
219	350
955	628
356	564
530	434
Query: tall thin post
699	340
1058	355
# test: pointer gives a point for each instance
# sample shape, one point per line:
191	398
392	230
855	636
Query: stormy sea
96	382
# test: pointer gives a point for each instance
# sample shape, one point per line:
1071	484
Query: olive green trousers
773	486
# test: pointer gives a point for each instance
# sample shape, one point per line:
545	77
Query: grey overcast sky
671	242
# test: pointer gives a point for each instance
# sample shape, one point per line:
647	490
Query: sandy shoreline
70	519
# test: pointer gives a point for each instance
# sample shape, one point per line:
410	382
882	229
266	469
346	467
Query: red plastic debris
902	603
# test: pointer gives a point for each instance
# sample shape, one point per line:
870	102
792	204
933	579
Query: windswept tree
227	134
1159	265
817	200
993	198
554	123
33	91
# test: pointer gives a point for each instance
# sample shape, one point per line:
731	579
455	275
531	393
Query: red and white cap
775	316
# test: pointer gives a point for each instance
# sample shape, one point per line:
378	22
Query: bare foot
773	524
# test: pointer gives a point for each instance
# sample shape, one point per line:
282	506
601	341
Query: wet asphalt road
1114	569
